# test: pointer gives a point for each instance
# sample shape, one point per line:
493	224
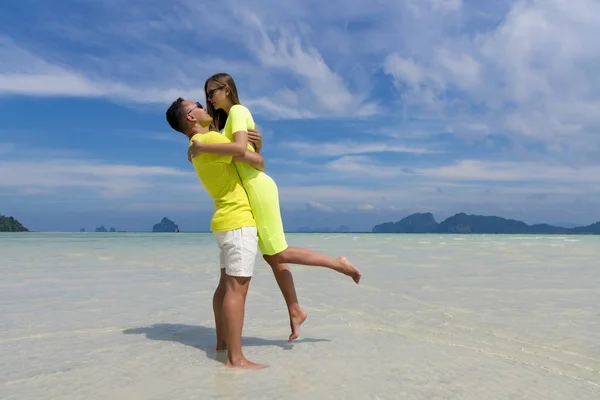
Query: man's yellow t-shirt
222	182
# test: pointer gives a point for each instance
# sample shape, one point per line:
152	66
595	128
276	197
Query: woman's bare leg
298	255
285	281
283	276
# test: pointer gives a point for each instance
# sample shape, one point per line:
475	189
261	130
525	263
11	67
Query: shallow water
129	316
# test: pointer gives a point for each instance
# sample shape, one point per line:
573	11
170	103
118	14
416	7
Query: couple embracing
247	214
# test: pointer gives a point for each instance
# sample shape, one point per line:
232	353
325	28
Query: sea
469	317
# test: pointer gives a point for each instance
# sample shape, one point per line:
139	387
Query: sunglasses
198	105
211	93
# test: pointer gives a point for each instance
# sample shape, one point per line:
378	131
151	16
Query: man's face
194	112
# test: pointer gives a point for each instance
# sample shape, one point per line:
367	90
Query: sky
370	111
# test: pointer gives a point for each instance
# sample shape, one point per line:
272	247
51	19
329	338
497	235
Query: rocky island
165	225
101	228
481	224
10	224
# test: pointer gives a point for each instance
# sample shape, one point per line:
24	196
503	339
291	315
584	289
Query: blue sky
370	111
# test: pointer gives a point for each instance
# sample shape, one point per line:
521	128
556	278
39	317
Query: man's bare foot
349	269
244	364
296	319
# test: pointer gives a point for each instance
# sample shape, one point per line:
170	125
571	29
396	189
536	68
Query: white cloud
171	137
362	167
275	110
366	207
323	85
405	70
336	149
546	55
532	75
107	180
337	196
60	174
476	170
447	5
296	78
464	69
137	188
530	65
24	73
41	78
422	86
505	177
315	205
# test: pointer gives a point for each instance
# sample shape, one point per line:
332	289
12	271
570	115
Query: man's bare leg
218	311
236	289
285	280
298	255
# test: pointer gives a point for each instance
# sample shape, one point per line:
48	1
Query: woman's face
216	94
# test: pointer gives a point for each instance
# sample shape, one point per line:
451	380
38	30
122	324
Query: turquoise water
128	315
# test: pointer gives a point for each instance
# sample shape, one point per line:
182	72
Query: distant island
10	224
101	228
165	225
464	223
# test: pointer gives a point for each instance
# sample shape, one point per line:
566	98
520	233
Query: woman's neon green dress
260	187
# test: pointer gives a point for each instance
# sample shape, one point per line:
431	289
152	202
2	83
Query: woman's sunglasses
211	93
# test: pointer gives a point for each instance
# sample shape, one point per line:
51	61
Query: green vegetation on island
9	224
464	223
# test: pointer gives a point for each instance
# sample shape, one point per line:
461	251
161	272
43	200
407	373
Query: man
232	224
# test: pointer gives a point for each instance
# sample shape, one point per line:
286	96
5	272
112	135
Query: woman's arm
252	158
238	147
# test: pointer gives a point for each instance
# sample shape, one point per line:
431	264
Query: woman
234	119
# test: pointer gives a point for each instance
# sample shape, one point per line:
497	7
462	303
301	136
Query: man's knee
237	283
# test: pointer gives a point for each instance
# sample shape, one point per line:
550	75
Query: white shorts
238	250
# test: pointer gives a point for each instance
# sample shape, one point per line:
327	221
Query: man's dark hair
175	115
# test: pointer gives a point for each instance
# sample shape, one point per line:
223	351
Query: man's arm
255	139
252	158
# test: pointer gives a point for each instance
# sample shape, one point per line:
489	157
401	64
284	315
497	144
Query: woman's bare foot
244	364
296	319
347	268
